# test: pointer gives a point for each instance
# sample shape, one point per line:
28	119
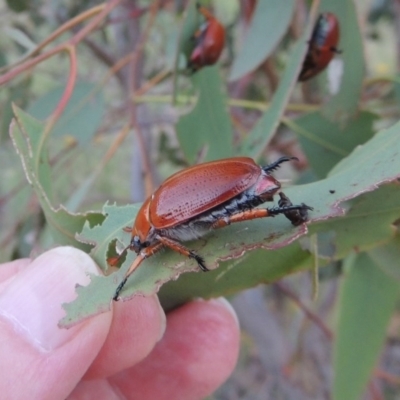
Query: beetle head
266	187
141	228
136	245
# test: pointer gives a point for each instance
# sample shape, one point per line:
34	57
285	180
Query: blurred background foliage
122	115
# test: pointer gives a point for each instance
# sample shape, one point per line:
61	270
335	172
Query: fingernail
31	300
222	301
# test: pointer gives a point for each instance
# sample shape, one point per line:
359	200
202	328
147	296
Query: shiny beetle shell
322	47
209	39
195	190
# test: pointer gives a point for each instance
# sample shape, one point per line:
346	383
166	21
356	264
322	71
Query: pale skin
131	352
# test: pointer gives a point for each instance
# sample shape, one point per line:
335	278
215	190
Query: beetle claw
295	214
199	260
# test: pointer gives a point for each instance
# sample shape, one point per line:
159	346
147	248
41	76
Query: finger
196	355
136	327
98	389
42	361
11	268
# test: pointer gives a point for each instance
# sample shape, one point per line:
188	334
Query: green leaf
18	5
262	133
28	138
20	37
191	22
117	218
366	168
255	267
226	11
14	202
363	171
346	102
367	300
165	266
29	141
82	116
365	225
387	257
326	142
270	22
18	94
206	131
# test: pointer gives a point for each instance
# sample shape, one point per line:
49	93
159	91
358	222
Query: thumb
39	360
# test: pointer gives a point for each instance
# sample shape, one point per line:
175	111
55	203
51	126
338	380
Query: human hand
132	352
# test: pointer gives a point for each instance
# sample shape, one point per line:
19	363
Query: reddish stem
69	88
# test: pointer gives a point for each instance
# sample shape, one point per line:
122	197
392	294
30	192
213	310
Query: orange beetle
322	48
209	42
207	196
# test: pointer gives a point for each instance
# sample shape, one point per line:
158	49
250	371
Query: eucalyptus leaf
345	104
259	137
326	142
82	115
265	31
365	170
367	300
30	143
206	131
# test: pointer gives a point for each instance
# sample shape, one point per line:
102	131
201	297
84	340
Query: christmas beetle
203	197
322	46
209	41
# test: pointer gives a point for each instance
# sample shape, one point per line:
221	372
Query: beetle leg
242	216
295	214
260	213
176	246
146	252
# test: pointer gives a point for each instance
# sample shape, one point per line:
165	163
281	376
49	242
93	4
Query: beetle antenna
275	165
